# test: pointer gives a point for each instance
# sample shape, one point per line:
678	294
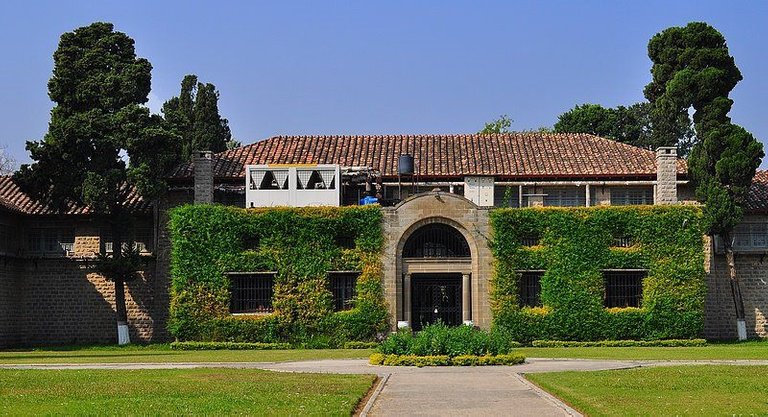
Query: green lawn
179	392
163	353
743	350
676	390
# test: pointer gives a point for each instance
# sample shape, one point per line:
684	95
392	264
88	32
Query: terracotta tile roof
12	198
514	155
757	199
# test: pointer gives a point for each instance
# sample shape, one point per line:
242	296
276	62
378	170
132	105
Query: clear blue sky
380	67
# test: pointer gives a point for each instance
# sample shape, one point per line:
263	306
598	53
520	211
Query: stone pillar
203	165
466	298
666	176
407	299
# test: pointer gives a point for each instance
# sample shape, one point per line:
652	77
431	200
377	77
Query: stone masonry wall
666	176
10	302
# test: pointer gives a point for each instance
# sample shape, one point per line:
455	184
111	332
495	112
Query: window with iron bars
565	196
530	240
343	288
622	241
747	237
631	196
623	288
51	241
251	292
529	288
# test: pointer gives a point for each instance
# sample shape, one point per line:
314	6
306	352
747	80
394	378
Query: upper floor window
269	179
506	196
631	196
565	196
251	292
747	237
316	179
51	241
141	237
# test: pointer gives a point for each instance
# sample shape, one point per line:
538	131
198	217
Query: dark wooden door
435	298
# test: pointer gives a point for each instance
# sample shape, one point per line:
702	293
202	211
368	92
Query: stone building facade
56	297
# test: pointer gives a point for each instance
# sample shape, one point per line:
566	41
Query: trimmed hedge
302	245
227	346
575	245
621	343
441	340
445	360
361	345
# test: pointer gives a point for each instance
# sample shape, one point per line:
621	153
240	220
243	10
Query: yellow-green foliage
445	360
302	245
575	247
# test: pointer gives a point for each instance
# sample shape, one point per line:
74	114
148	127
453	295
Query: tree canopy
194	117
627	124
500	125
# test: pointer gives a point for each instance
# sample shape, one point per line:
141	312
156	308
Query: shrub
361	345
439	339
575	245
445	360
227	346
621	343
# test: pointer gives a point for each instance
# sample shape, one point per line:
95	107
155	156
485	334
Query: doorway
436	297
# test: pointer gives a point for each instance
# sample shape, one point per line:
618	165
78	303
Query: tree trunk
123	337
738	301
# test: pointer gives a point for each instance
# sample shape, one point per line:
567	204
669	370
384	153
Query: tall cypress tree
194	117
99	87
692	67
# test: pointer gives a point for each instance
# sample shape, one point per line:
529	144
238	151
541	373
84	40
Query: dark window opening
229	198
251	292
622	241
343	288
529	288
250	242
530	240
345	241
436	240
274	180
623	288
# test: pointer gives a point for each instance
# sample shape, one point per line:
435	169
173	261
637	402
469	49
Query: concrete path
434	391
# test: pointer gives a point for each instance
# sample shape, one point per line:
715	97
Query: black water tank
405	165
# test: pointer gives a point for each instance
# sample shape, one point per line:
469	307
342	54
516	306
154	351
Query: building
436	220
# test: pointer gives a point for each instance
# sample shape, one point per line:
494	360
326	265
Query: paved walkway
434	391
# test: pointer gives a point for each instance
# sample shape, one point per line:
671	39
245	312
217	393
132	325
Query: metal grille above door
435	298
436	240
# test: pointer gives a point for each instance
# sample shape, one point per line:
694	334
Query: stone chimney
203	164
666	175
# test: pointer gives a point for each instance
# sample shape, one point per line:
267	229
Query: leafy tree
500	125
99	87
692	67
194	117
631	124
7	161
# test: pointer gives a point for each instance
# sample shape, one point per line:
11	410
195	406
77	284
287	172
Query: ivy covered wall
301	245
573	246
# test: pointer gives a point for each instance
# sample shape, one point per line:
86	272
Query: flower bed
445	360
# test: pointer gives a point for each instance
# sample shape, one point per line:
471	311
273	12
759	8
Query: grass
743	350
179	392
675	390
163	353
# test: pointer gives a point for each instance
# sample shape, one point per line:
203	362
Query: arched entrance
437	264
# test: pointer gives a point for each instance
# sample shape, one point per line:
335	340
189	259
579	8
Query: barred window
51	241
436	240
316	179
529	288
142	237
565	196
269	179
631	196
622	241
343	287
747	237
251	292
623	288
506	196
530	240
